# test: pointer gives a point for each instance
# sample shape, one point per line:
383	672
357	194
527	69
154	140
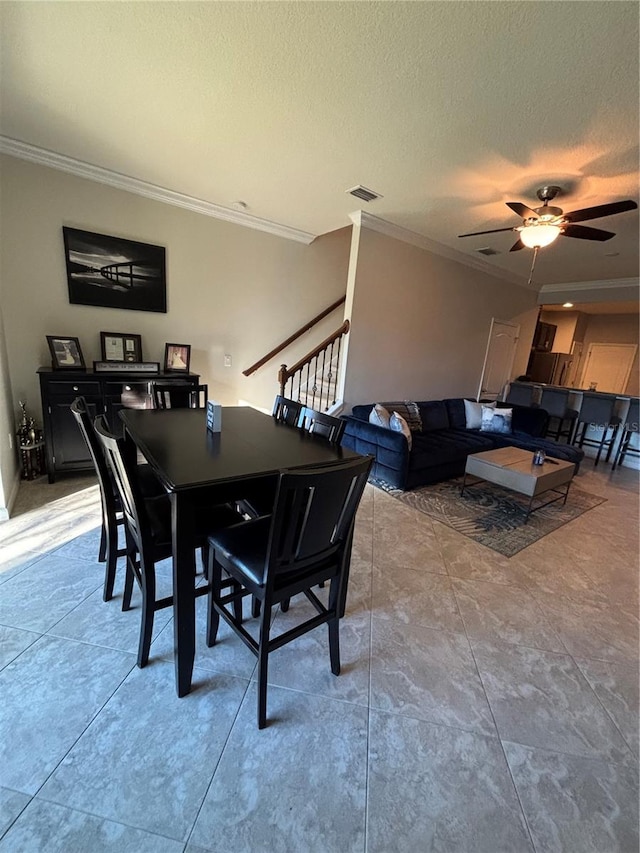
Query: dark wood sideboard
105	393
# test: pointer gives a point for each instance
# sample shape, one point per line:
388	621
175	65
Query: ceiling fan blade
517	246
599	210
583	233
522	210
477	233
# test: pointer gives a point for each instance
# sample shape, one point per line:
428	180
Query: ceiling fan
542	225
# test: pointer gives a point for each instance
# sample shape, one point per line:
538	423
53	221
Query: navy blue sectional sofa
440	450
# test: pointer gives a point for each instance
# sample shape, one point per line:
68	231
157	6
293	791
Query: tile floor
486	704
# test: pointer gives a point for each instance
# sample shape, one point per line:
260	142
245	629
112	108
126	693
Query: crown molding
606	284
42	157
374	223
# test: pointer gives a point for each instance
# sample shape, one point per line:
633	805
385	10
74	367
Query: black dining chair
112	516
148	534
306	541
179	396
287	411
259	500
319	423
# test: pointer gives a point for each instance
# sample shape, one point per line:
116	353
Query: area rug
491	515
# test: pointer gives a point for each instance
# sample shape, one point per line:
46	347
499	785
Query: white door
608	366
498	360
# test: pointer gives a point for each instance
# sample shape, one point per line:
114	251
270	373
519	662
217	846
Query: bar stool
555	401
521	394
631	426
597	410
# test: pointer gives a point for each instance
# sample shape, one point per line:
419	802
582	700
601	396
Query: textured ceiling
448	109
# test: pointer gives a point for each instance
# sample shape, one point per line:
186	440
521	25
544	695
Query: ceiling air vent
363	193
487	250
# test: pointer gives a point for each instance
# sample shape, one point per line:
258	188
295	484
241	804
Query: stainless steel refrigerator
552	368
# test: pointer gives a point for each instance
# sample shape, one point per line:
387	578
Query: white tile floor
486	704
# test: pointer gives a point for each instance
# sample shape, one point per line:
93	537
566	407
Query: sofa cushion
473	413
446	446
434	415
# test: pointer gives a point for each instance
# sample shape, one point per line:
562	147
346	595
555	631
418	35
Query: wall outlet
227	361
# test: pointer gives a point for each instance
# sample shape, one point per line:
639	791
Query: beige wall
421	322
565	328
230	289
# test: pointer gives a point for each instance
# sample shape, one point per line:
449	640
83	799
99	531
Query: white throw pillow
473	413
398	424
496	420
379	416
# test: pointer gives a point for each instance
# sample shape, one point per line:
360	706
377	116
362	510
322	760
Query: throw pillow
473	413
398	424
379	416
496	420
410	411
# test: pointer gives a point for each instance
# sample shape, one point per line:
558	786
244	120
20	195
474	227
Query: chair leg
284	604
102	549
263	664
148	609
213	617
111	557
334	627
612	441
128	584
255	607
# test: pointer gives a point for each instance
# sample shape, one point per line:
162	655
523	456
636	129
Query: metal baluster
324	355
335	381
330	375
314	387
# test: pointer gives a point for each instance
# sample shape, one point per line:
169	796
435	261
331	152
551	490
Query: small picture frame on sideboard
120	346
177	358
66	353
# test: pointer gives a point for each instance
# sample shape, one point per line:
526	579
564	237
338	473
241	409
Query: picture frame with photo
66	353
177	358
120	346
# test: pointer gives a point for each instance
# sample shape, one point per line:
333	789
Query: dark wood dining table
198	467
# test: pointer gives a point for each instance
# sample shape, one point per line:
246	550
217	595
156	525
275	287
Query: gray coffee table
513	469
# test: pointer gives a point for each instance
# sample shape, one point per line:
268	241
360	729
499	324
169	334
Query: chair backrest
555	401
174	396
313	516
521	395
287	411
319	423
80	412
137	523
596	408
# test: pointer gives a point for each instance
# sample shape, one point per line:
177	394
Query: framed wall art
66	353
120	346
111	272
177	358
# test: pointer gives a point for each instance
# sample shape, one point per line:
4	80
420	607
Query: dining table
198	467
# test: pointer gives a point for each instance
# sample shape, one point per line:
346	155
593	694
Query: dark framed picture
177	357
120	346
111	272
66	353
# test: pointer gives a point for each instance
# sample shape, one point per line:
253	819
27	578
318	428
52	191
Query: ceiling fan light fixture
537	235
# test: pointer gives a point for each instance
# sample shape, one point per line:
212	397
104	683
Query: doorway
498	360
608	367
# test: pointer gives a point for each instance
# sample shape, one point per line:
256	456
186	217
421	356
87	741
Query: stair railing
294	336
313	380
